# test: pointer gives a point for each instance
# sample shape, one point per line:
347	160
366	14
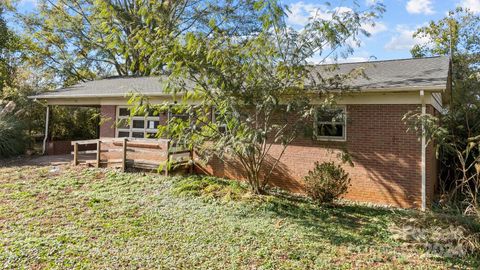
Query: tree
456	131
82	39
257	88
8	46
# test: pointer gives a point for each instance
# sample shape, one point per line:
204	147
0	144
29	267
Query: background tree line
456	131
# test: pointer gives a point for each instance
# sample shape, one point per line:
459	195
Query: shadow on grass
340	224
363	226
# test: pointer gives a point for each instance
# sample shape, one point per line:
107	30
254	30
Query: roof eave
436	88
94	96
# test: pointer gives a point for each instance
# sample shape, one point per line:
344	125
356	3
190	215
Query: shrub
12	139
326	182
209	187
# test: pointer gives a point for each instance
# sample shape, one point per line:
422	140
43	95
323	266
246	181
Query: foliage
209	187
12	138
440	234
456	132
326	182
82	39
8	46
254	86
70	217
70	123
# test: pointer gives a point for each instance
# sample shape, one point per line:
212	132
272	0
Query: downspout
423	153
47	117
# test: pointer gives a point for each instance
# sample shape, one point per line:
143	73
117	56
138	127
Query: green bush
12	137
209	187
326	182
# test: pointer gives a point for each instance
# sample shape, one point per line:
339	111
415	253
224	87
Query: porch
146	154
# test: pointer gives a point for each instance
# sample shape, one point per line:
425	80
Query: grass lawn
94	218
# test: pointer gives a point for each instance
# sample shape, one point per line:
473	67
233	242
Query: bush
326	182
12	138
209	187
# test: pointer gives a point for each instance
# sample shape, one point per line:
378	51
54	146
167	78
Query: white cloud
473	5
420	7
404	39
301	12
372	2
376	28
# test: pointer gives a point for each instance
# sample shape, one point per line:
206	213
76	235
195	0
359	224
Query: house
391	166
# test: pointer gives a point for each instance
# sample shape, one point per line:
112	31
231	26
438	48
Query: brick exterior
108	113
387	159
65	147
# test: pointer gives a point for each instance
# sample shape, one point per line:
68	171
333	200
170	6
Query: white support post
47	117
423	153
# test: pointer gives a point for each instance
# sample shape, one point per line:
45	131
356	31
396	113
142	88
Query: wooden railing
149	154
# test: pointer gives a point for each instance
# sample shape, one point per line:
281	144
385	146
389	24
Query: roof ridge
381	61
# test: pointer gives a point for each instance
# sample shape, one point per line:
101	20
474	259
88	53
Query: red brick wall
65	147
387	159
108	113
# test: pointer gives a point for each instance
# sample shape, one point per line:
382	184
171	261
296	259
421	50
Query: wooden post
99	152
75	154
168	158
124	155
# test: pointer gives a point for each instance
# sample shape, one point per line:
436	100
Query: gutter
423	167
351	91
94	96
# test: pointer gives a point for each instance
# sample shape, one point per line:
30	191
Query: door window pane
138	123
123	134
124	112
152	124
137	134
151	135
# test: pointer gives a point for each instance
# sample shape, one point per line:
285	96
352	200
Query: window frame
331	138
145	130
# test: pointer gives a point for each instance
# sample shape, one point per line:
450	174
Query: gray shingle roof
110	87
387	75
415	73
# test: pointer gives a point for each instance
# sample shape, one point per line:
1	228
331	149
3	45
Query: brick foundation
65	147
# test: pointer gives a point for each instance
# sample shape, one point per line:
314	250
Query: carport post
47	117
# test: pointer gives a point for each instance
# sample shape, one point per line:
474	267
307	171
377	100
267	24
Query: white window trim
130	129
331	138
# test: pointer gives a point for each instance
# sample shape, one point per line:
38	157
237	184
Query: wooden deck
149	154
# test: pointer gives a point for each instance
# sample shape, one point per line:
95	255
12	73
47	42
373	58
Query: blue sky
391	37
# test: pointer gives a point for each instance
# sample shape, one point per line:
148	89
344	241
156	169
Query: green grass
92	218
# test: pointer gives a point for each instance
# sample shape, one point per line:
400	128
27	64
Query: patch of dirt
53	160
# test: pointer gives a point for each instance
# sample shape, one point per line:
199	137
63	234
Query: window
330	124
136	126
